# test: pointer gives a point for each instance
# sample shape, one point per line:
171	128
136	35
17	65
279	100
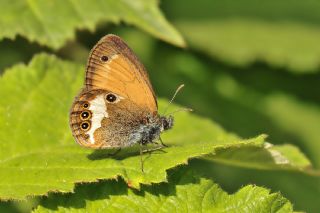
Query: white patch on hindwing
98	109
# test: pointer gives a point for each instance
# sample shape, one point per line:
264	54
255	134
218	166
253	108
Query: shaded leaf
279	33
53	23
249	101
183	193
243	42
19	50
302	190
245	101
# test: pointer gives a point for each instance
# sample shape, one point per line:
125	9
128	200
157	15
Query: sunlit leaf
39	153
52	23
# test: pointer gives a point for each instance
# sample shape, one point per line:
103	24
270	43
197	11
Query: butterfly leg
153	149
141	160
164	145
149	151
156	148
114	153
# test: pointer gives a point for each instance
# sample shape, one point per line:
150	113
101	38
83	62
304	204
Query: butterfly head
166	122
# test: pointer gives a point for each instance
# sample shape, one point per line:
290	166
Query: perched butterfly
117	106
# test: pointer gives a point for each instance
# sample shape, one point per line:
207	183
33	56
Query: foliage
186	192
36	20
59	164
279	33
248	71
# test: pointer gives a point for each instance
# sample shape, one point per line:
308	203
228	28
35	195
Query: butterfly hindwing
97	123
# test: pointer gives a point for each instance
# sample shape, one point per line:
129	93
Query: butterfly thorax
150	129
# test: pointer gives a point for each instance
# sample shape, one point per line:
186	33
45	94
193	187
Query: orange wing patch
113	66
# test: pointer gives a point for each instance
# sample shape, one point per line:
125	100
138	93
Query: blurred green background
251	66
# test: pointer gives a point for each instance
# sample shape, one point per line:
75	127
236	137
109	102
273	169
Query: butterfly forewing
113	66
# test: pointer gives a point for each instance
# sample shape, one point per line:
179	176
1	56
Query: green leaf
297	118
266	156
249	101
183	193
243	42
283	109
38	153
279	33
246	101
300	189
53	23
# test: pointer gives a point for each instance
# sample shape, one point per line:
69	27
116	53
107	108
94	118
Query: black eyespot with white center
85	115
85	125
86	105
104	58
111	98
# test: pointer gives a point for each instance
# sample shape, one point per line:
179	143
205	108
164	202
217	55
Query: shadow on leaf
121	153
105	189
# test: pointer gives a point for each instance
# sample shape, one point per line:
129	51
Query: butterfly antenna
173	97
179	110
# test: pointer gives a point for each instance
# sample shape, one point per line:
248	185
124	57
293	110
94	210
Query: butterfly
117	106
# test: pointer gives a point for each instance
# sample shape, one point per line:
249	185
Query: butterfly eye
85	125
86	105
104	58
111	98
85	115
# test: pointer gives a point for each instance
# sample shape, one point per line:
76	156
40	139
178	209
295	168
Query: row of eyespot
85	116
